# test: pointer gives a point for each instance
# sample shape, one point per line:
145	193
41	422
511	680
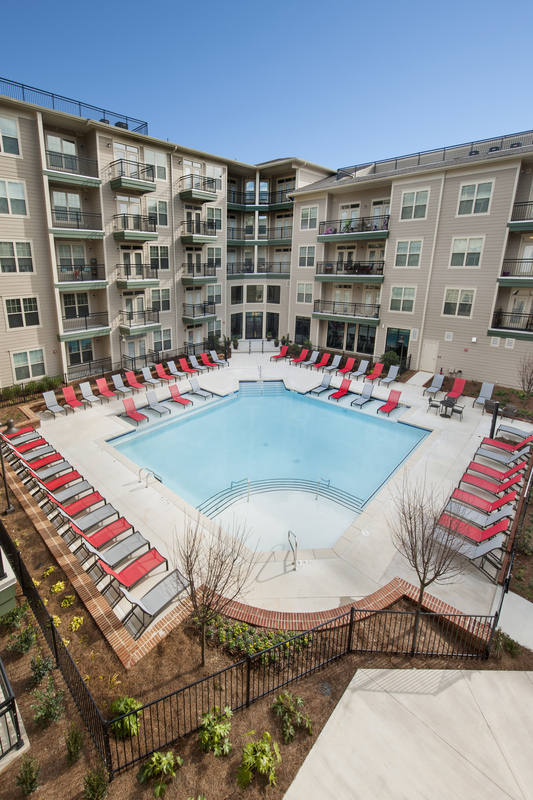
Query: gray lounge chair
149	378
55	469
324	386
53	406
220	361
393	374
87	395
467	548
485	394
73	491
309	362
119	385
334	364
26	437
195	388
502	458
196	365
174	371
144	610
92	519
154	404
456	509
368	388
436	385
508	430
363	366
112	557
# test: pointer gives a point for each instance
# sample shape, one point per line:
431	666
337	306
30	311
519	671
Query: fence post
54	640
248	676
415	632
350	629
107	749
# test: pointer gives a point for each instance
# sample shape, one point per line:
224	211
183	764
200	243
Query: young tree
218	567
525	376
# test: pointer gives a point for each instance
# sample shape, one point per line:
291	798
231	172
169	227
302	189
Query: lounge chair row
154	404
483	399
360	400
104	542
348	370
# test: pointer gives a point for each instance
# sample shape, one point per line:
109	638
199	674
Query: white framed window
15	257
254	294
474	198
28	364
215	327
214	293
408	253
458	302
214	219
307	256
80	351
214	257
162	340
67	205
466	252
22	312
402	298
415	204
159	163
75	305
9	136
13	198
158	211
159	256
274	294
308	218
304	293
161	299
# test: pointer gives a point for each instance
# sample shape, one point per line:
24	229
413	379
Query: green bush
288	708
308	344
28	776
40	667
390	359
129	726
23	641
95	784
260	757
14	618
215	730
49	706
161	768
524	544
242	639
502	641
74	743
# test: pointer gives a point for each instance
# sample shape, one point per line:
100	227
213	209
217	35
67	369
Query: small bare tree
525	376
217	565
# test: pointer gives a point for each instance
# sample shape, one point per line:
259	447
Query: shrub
214	732
28	775
502	641
58	587
14	618
524	544
95	784
242	639
67	601
40	667
390	359
260	757
76	623
288	708
74	743
160	768
48	572
129	726
49	706
23	641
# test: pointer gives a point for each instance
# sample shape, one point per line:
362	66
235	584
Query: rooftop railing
347	309
78	220
72	164
360	225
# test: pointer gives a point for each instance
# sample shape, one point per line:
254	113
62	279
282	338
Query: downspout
428	282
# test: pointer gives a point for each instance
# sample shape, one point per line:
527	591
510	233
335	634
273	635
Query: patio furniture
131	574
70	398
374	375
479	518
154	404
207	363
510	448
342	392
457	389
365	397
363	366
301	357
488	486
104	390
195	389
52	405
432	403
391	403
393	374
348	367
148	378
176	397
145	609
312	360
324	386
485	394
119	385
131	411
162	375
185	367
447	403
113	557
470	549
87	394
487	506
436	385
133	382
509	411
198	367
508	430
497	474
458	410
101	536
174	371
470	531
322	362
503	458
334	364
283	353
216	360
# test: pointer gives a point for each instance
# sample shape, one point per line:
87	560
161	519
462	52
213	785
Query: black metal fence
10	737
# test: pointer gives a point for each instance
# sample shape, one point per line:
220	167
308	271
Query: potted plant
235	343
269	336
276	342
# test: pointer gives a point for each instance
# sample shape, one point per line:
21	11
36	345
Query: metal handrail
357	225
148	473
295	548
318	485
76	165
241	481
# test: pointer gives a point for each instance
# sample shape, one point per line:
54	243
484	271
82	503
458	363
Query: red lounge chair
489	472
42	462
457	388
487	486
511	448
301	357
319	364
136	570
103	535
486	506
176	396
162	374
20	432
63	480
378	369
206	362
345	385
103	388
70	398
347	368
23	448
86	502
131	411
391	403
282	353
471	532
133	382
186	368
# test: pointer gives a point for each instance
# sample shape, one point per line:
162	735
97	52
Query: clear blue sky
333	82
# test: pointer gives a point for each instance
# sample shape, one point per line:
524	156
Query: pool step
261	388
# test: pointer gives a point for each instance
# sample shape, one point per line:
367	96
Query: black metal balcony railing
248	232
191	227
350	267
136	272
347	309
522	212
198	309
81	272
84	322
360	225
512	321
76	219
240	267
199	182
200	270
122	168
265	198
72	164
132	318
518	267
97	366
134	222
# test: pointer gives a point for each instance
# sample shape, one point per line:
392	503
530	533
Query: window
66	207
302	329
307	256
466	252
159	257
161	299
308	218
15	257
273	294
214	328
9	138
214	219
236	325
157	212
12	198
215	176
236	295
459	302
214	257
408	254
414	204
80	352
76	305
254	294
28	364
402	299
158	162
305	293
61	153
214	294
366	339
22	313
335	335
262	225
162	340
474	198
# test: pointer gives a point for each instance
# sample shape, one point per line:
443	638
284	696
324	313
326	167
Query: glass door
341	301
62	153
254	324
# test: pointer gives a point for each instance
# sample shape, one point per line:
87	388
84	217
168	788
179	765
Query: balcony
134	322
76	225
134	228
72	169
199	312
264	235
269	269
198	232
85	326
198	189
516	272
136	276
91	275
98	366
131	176
277	199
198	274
348	230
332	310
351	271
522	217
510	321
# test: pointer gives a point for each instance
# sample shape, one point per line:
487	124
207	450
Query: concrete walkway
424	735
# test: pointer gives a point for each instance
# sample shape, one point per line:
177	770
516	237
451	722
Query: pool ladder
148	473
293	548
235	483
318	486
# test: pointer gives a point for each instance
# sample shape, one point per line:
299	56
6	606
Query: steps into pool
261	388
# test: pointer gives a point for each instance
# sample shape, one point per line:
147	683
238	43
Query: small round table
446	404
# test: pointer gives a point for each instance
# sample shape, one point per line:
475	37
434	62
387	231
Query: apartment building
117	247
